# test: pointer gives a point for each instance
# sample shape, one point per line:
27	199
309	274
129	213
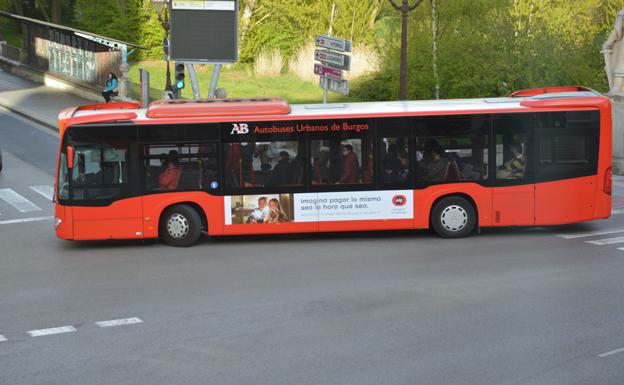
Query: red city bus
181	168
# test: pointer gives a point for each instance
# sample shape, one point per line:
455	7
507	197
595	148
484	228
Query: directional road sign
329	42
341	87
329	72
336	60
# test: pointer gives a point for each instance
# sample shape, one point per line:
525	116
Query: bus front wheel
453	217
180	226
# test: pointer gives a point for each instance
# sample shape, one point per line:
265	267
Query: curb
30	117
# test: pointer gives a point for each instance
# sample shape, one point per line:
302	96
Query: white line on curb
26	220
50	331
119	322
612	352
3	338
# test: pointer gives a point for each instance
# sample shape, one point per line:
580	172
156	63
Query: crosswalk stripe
26	220
608	241
592	233
19	202
617	211
45	190
3	338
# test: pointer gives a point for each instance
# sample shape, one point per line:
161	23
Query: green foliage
289	24
492	47
112	18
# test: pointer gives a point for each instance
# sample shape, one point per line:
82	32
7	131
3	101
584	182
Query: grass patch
12	32
240	82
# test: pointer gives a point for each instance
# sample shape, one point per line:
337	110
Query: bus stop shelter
72	55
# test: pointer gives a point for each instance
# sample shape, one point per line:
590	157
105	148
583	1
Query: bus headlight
57	222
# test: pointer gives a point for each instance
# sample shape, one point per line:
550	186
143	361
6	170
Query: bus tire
453	217
180	226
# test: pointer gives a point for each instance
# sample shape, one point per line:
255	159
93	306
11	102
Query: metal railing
9	52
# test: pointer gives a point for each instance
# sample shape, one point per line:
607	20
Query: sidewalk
38	102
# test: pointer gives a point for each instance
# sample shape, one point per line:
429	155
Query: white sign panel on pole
340	87
335	60
329	42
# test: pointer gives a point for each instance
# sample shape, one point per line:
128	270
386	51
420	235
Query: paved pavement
511	306
35	101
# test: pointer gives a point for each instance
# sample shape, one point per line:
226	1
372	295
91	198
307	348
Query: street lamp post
162	10
405	8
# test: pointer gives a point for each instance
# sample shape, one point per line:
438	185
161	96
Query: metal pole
214	80
191	70
145	88
325	85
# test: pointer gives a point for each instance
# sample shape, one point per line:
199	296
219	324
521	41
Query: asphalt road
510	306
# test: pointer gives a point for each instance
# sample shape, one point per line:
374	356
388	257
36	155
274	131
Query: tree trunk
331	19
434	47
245	19
56	9
403	75
375	9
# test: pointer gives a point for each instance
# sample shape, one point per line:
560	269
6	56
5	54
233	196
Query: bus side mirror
70	157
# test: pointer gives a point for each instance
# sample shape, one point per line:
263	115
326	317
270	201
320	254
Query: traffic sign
336	60
341	87
329	42
329	72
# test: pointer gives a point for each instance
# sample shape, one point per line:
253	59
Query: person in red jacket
170	176
350	165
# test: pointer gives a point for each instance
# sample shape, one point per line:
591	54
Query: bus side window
262	164
342	161
395	164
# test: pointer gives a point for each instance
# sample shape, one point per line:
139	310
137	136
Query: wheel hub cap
454	218
178	226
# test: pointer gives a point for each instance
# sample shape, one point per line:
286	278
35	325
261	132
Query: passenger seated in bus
350	165
390	174
514	167
434	164
404	170
284	171
263	154
170	177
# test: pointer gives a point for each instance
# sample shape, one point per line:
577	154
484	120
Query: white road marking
19	202
617	211
3	338
26	220
592	233
50	331
45	190
621	248
608	241
119	322
612	352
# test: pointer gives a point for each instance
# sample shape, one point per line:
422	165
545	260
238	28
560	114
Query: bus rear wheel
453	217
180	226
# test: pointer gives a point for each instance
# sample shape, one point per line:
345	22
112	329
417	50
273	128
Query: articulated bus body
178	169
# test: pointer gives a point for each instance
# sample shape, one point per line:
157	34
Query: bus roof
179	111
